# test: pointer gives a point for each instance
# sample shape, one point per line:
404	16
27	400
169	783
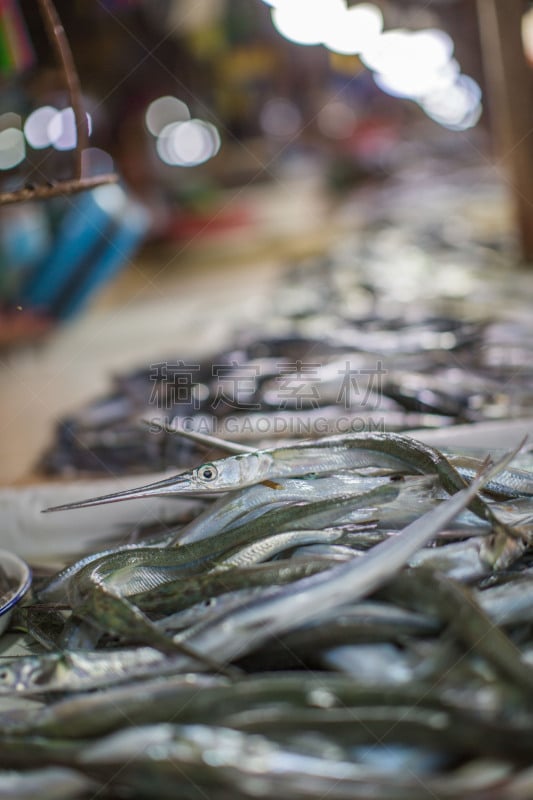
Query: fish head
24	674
211	477
225	474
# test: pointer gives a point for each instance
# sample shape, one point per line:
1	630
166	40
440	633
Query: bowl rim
23	584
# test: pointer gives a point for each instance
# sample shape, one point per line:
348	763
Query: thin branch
63	52
56	189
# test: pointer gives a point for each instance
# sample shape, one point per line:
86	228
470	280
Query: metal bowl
19	574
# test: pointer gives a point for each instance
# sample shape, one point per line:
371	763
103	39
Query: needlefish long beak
177	484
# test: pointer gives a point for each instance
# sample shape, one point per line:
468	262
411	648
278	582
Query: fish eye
207	473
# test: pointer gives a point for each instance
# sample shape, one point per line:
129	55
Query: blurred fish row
350	619
339	351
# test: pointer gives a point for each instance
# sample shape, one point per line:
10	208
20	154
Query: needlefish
248	504
238	631
136	569
245	505
326	455
192	761
100	588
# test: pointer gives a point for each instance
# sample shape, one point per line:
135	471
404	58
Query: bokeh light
328	22
112	199
10	119
457	107
527	34
407	51
36	127
61	129
420	66
12	148
413	83
417	65
305	21
354	29
280	117
188	144
163	112
336	120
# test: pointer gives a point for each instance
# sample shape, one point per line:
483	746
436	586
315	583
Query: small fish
509	603
316	513
442	597
54	589
243	629
86	714
134	569
317	457
362	623
202	698
272	546
511	482
461	561
104	608
334	551
246	505
49	783
184	592
79	671
197	612
372	663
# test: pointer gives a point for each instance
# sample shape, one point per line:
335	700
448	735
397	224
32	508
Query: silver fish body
243	629
323	456
49	783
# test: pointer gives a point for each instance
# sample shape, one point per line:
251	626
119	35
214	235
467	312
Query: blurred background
252	167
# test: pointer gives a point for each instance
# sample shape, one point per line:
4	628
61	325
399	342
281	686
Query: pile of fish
270	388
348	614
359	340
347	617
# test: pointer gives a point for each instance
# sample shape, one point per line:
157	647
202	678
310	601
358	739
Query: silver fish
50	783
316	457
271	546
78	671
243	629
245	505
132	570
